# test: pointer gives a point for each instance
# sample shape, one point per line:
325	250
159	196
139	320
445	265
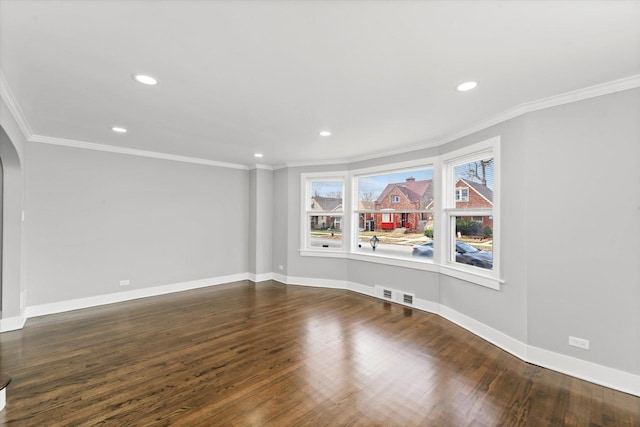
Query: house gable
412	195
480	196
319	203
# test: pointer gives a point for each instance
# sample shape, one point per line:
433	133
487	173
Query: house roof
481	189
413	190
366	205
328	203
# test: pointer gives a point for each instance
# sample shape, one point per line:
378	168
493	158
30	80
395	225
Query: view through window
324	213
471	216
397	208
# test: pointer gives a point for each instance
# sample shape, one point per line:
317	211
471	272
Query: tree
477	171
366	196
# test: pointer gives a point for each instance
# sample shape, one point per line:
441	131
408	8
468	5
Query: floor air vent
394	295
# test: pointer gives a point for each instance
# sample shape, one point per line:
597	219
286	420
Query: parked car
424	249
465	254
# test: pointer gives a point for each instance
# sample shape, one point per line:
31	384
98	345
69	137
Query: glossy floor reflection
270	354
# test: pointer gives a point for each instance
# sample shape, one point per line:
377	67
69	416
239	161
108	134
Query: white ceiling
240	77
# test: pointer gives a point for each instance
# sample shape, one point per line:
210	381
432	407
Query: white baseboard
260	277
80	303
279	278
487	333
12	323
588	371
361	289
320	283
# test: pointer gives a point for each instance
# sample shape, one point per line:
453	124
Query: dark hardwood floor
268	354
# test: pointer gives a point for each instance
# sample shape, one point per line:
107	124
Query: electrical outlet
124	282
579	342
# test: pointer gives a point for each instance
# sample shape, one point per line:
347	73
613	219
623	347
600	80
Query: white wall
96	218
280	228
583	253
260	222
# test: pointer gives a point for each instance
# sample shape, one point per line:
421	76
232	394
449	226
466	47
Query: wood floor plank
270	354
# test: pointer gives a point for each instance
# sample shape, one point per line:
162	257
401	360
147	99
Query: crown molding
607	88
319	162
626	83
132	152
9	99
261	166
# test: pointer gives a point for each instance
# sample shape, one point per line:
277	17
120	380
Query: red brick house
403	196
473	195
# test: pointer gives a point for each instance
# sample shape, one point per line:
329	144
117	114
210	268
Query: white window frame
306	182
443	210
395	198
445	246
424	163
459	197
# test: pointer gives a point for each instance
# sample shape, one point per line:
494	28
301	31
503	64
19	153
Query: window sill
327	253
458	273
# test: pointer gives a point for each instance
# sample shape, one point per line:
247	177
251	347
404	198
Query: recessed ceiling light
325	133
258	155
463	87
119	129
145	80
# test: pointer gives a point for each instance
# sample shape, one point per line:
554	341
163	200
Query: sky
376	184
462	172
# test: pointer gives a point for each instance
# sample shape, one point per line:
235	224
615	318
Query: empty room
322	213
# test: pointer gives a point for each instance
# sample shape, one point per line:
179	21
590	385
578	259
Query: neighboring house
410	195
326	204
365	220
416	195
473	195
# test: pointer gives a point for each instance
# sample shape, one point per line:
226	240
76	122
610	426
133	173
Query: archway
12	260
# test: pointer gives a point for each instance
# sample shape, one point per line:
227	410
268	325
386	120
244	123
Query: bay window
439	214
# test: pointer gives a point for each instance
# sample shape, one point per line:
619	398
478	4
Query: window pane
404	242
474	241
388	203
325	231
326	196
474	184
